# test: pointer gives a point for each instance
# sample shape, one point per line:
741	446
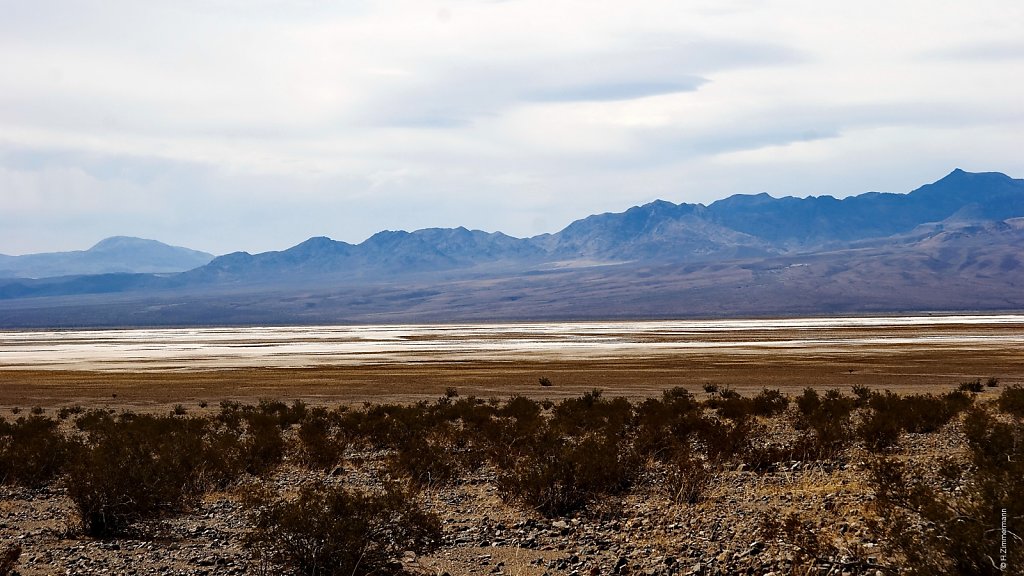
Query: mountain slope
659	230
802	222
953	245
118	254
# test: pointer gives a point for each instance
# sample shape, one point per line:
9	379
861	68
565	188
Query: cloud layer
253	125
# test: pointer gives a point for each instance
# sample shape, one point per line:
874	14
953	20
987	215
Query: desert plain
156	368
733	526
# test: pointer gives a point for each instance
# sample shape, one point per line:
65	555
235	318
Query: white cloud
256	124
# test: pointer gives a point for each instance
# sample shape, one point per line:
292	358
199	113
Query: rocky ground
727	531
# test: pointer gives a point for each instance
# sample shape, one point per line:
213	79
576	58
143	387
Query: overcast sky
254	124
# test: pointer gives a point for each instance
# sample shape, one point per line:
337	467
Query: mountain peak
962	176
117	254
122	242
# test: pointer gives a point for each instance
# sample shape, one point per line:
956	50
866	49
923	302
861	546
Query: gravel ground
644	532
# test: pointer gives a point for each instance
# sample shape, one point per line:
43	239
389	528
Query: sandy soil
903	358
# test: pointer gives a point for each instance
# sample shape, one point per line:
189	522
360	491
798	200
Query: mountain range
956	244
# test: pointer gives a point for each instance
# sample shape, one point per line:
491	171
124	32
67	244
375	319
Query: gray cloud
454	95
981	51
617	91
232	125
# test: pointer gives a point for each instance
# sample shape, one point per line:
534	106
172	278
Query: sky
226	125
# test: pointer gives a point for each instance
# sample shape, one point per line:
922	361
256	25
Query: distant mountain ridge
117	254
956	244
741	226
818	219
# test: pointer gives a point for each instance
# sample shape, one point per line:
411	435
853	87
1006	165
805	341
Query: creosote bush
331	530
571	456
32	451
891	414
937	532
137	467
687	478
1011	401
563	463
971	386
320	441
825	420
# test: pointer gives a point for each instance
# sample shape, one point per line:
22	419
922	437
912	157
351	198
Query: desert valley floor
157	367
781	501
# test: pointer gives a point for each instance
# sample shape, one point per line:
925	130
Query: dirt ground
648	534
899	367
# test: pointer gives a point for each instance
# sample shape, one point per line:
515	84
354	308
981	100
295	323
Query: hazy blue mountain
119	254
385	253
805	222
755	226
956	244
659	230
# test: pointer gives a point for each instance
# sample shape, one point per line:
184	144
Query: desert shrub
226	456
382	426
661	425
825	421
263	445
286	416
710	388
1011	401
230	414
438	458
687	477
936	532
430	443
329	531
557	475
136	468
32	451
765	457
720	440
94	419
68	411
862	395
544	381
890	414
971	386
591	412
679	399
319	443
957	401
881	427
731	405
723	396
563	463
675	423
808	402
474	418
992	382
519	417
769	403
